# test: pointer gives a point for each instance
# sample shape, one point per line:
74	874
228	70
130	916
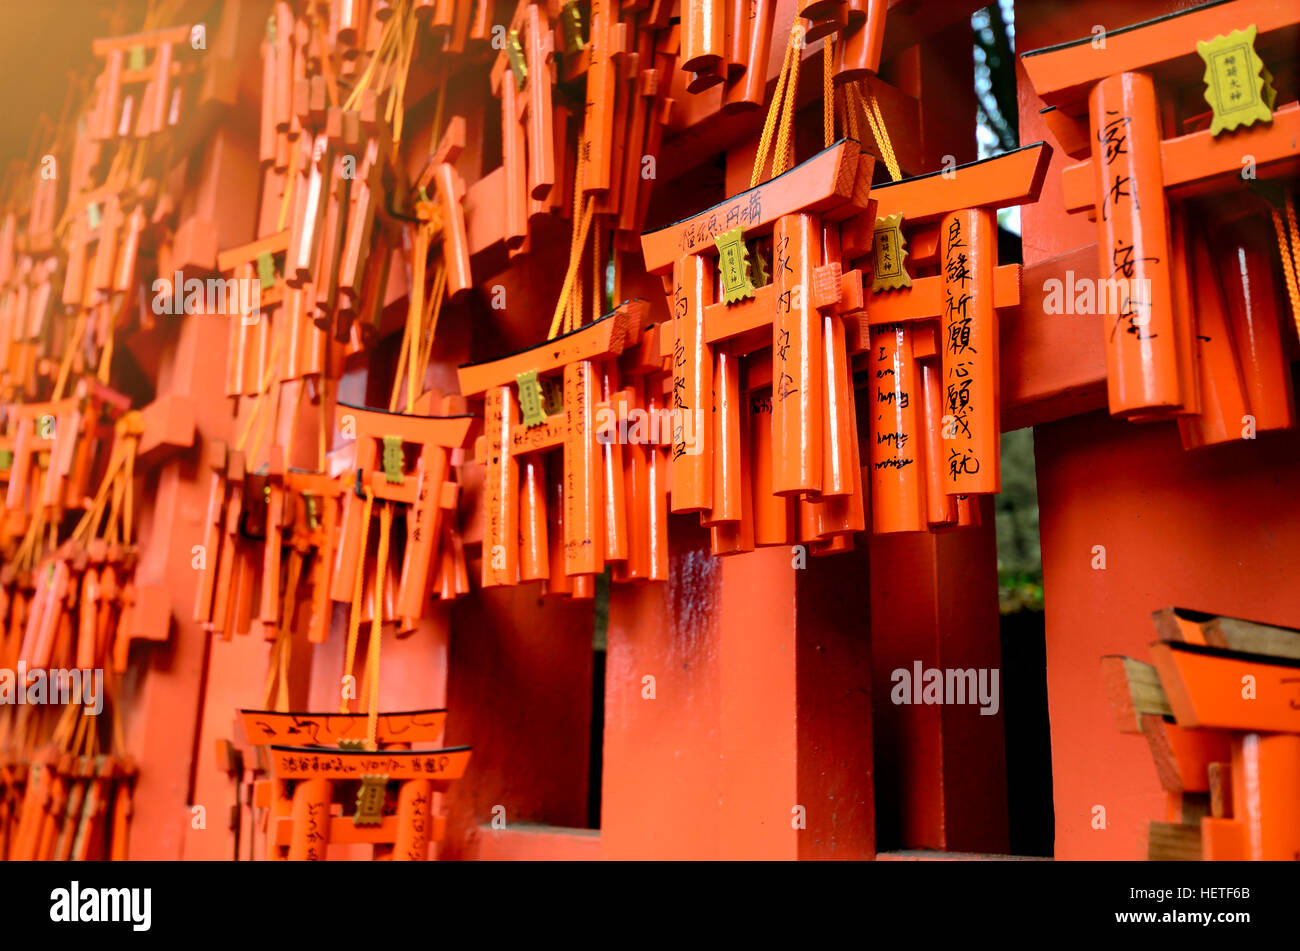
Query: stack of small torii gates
1220	710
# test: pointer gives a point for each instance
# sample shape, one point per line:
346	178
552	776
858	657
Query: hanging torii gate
808	453
1170	339
607	504
402	460
307	773
929	344
759	787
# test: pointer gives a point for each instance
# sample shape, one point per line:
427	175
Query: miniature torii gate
307	774
812	450
626	63
71	808
1229	687
1127	184
304	348
933	454
1205	690
600	485
118	113
69	434
381	468
521	78
135	99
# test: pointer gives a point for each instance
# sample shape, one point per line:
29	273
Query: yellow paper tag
370	801
311	508
394	460
530	399
733	266
890	248
571	27
515	57
266	270
1234	87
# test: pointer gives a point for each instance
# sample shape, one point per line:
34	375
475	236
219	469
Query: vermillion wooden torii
314	501
303	349
857	50
1219	709
522	78
1205	690
766	615
930	348
729	41
137	99
213	603
58	453
121	108
626	64
277	343
67	808
243	507
381	468
85	612
528	61
810	449
68	436
307	776
447	212
1104	103
608	504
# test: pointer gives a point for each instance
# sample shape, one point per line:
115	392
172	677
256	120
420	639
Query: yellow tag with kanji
890	249
733	266
370	801
1234	86
530	399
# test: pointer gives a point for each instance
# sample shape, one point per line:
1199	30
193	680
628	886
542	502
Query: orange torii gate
308	777
304	347
521	78
1204	687
930	343
1178	342
1220	710
401	459
609	503
809	451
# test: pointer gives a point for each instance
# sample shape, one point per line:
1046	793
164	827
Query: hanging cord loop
780	112
864	97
